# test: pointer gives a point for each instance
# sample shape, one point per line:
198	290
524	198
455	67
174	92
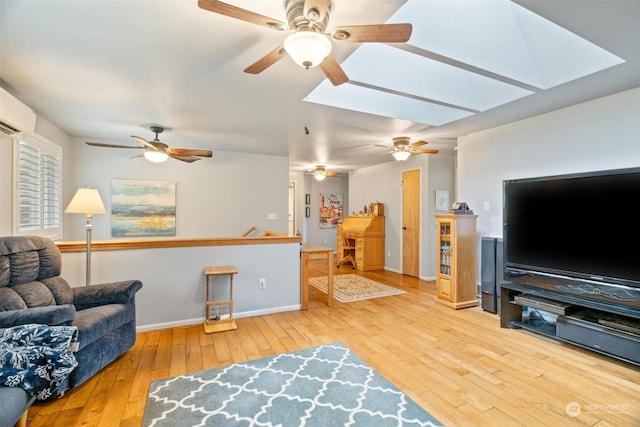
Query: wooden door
411	223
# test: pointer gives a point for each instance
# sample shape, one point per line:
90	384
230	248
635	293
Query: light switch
486	206
272	216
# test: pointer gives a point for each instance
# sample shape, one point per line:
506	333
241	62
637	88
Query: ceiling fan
308	44
402	148
320	173
157	151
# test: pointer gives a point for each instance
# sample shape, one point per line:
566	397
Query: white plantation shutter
28	184
51	181
38	184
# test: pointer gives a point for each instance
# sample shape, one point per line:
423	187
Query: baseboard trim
199	320
395	270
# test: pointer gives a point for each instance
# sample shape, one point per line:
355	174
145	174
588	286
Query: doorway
411	223
291	216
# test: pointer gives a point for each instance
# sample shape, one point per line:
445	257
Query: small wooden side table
216	323
306	252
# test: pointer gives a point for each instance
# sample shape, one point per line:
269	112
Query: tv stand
609	329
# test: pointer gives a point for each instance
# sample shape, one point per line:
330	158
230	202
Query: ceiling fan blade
266	61
241	14
383	146
144	142
333	71
383	33
332	174
189	152
418	144
318	8
188	159
137	155
424	151
97	144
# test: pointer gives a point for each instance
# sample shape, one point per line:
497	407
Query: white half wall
173	280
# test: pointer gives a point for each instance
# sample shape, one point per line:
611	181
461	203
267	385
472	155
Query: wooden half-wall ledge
266	238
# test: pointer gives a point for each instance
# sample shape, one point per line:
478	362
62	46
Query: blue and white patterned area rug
321	386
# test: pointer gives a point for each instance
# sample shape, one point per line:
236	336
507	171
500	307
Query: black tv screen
583	226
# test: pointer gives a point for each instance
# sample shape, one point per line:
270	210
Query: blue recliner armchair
32	291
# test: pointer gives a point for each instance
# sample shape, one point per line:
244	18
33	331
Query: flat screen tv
583	226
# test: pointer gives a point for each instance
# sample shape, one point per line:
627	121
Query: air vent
7	129
14	115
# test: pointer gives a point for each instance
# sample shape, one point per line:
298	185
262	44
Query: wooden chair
347	249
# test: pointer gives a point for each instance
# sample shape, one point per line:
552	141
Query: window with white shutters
38	166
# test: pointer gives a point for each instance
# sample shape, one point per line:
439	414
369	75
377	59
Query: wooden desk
307	250
368	234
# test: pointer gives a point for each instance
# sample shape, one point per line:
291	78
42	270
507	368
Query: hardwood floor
458	365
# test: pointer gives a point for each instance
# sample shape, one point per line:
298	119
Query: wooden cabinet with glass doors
456	260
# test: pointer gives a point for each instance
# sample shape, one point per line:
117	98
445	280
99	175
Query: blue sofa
32	291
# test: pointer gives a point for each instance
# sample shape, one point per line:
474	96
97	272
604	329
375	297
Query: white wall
597	135
298	179
441	176
217	197
312	231
383	183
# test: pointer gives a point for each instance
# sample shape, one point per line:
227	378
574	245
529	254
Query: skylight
427	79
357	98
464	56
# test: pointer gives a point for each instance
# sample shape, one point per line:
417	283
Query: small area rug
321	386
352	287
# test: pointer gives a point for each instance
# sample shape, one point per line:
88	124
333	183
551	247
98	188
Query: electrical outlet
263	283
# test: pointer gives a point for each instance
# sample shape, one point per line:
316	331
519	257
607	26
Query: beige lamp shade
86	201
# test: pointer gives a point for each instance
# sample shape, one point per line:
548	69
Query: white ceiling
105	70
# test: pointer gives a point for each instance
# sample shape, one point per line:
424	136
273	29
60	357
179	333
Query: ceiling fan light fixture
319	176
155	156
307	48
401	156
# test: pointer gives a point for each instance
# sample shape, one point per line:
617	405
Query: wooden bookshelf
456	260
